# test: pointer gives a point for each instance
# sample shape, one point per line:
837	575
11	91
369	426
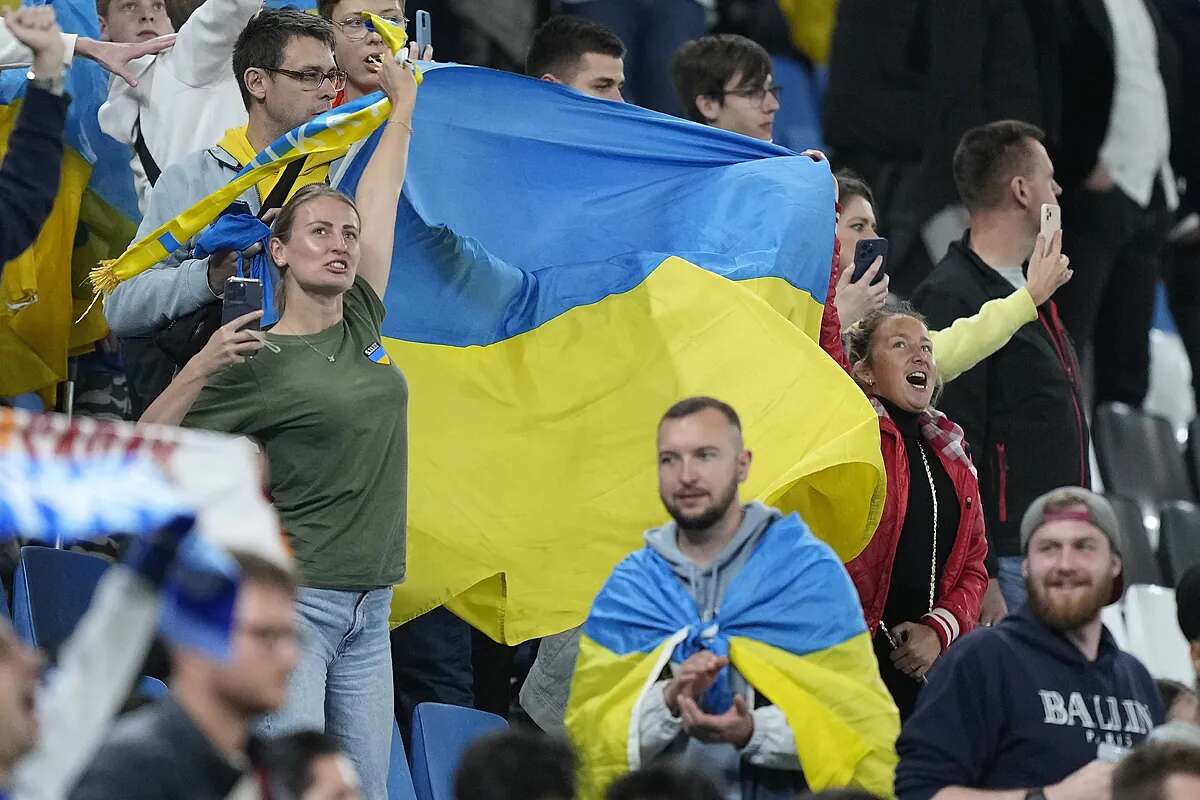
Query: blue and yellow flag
43	292
565	269
790	623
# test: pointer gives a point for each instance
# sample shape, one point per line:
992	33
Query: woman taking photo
921	578
330	411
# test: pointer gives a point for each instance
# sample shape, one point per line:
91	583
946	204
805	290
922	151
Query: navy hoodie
1018	706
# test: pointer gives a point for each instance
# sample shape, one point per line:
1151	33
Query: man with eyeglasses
195	743
285	71
726	81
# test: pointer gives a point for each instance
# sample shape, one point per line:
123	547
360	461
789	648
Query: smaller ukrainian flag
377	354
790	623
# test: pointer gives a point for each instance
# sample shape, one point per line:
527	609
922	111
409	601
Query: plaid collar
940	431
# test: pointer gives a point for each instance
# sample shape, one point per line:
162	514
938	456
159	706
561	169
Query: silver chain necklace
331	359
933	557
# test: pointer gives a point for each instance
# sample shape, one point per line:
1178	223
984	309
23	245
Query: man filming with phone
1021	408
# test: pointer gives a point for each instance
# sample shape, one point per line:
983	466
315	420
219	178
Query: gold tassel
104	277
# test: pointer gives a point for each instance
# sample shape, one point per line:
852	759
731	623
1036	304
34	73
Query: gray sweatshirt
772	744
544	694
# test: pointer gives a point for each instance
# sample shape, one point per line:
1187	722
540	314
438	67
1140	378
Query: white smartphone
424	32
1051	221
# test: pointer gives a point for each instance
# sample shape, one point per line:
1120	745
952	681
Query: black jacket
1181	19
1076	75
158	753
29	174
1018	706
1021	408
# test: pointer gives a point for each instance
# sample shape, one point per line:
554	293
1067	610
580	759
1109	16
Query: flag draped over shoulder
565	268
790	623
43	291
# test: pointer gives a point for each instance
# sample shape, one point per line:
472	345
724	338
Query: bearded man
1041	705
733	640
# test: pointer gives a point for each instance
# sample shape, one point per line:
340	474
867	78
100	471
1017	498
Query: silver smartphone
424	32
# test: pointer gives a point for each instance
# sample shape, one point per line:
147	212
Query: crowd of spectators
968	630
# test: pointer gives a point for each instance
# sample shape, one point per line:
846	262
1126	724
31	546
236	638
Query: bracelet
402	124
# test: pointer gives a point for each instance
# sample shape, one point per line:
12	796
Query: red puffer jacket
956	609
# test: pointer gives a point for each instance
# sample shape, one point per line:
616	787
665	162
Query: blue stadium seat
400	783
51	591
440	735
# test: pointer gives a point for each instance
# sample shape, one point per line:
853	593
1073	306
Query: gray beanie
1097	511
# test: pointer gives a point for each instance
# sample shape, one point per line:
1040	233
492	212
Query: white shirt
186	97
1137	148
1013	275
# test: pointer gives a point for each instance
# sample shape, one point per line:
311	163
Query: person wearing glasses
196	742
725	81
286	75
359	50
180	100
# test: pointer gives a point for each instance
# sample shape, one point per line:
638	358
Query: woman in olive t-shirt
319	393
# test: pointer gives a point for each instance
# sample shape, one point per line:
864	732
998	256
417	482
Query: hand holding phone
1051	220
865	253
424	33
242	296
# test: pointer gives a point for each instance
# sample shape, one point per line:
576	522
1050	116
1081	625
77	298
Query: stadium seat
1154	635
1178	539
51	591
1139	457
1113	618
400	784
1138	559
440	735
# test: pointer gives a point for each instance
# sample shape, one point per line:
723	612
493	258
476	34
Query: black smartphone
242	296
865	253
424	32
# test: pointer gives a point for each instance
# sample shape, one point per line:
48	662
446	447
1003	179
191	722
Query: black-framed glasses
355	28
311	79
757	96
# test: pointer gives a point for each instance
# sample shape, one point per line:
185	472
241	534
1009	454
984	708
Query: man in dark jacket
906	79
1040	705
1109	77
29	174
194	743
1022	408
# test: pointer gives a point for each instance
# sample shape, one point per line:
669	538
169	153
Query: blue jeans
652	31
342	683
1012	582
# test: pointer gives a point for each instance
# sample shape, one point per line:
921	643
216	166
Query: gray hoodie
772	748
707	585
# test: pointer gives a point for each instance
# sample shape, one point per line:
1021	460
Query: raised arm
969	340
383	179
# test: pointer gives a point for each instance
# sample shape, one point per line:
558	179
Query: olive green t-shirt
336	439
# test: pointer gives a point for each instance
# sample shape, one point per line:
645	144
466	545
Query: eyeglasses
311	79
355	28
270	637
757	96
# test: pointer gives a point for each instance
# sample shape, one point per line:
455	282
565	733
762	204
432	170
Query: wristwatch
1035	794
54	84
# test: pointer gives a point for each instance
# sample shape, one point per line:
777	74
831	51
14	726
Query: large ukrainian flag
44	291
565	269
790	623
